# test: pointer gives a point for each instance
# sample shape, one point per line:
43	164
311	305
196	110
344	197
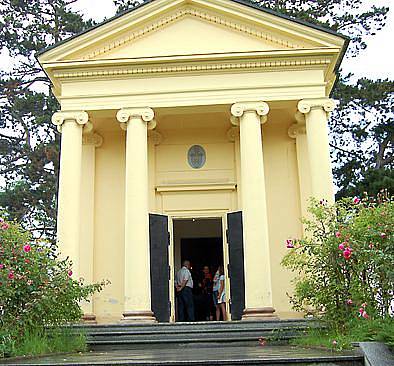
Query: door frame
208	214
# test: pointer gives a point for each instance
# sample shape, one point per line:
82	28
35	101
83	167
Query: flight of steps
197	344
121	336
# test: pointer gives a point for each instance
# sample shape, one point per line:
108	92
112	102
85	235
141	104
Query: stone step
103	337
200	355
189	328
196	326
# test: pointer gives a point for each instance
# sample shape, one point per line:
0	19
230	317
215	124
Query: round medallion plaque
196	157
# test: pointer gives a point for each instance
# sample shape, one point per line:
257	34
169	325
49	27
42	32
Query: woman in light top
219	293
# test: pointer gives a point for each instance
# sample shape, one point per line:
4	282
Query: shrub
36	287
345	263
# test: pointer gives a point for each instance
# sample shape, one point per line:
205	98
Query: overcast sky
375	62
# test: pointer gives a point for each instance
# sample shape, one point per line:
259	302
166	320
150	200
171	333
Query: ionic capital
125	115
233	134
88	128
296	129
92	139
80	117
239	109
306	105
155	137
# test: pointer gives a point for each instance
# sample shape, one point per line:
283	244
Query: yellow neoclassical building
191	129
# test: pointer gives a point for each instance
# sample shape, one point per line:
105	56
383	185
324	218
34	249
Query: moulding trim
141	70
197	187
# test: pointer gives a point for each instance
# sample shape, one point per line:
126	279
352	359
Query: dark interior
202	252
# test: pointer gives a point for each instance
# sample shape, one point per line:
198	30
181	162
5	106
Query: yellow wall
187	192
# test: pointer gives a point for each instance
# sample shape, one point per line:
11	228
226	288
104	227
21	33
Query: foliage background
362	128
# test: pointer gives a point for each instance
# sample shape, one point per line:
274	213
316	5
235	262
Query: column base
89	319
266	313
138	317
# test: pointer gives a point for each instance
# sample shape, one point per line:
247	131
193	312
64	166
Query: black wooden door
236	264
159	266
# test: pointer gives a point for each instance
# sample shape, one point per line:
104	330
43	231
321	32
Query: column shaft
258	287
316	116
137	305
68	218
298	132
90	142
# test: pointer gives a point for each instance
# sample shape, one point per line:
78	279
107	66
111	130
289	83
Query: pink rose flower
289	243
356	200
27	261
11	275
1	266
334	342
383	235
338	234
364	305
349	302
70	273
341	246
347	253
5	226
27	248
365	315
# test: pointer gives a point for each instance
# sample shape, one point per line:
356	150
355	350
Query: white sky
375	62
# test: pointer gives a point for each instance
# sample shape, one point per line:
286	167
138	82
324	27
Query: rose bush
36	287
345	263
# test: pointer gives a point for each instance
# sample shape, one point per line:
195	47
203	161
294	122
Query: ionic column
233	136
258	287
90	141
137	303
297	131
70	124
154	139
316	113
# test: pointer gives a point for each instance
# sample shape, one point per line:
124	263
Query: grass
36	343
359	330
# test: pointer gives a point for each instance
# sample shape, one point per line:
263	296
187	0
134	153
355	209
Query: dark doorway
201	242
202	252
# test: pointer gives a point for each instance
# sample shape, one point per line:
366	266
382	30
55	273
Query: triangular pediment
186	36
190	27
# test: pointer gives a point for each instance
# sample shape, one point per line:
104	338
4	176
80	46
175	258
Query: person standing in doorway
184	287
206	286
219	294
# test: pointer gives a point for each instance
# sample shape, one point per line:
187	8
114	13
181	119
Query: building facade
190	129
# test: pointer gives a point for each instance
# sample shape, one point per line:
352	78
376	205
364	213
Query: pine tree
362	127
29	143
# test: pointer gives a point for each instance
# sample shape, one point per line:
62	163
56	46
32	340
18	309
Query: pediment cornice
191	11
281	33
